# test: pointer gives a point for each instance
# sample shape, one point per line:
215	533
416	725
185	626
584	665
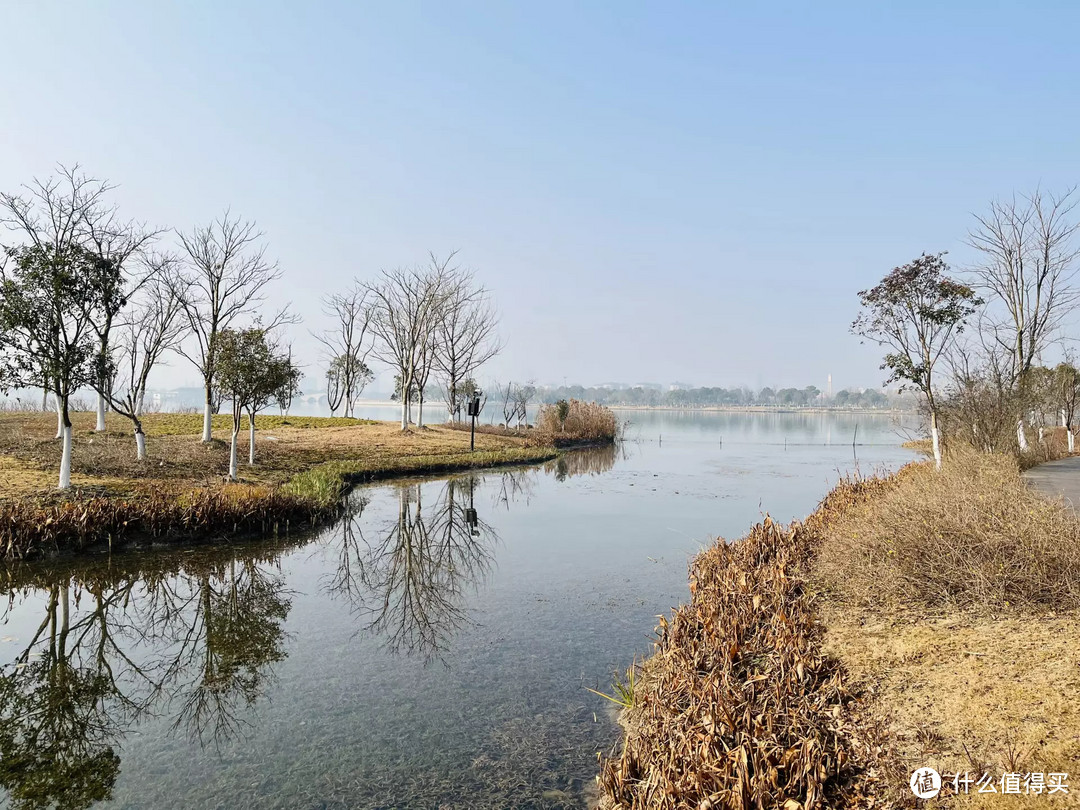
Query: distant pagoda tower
828	388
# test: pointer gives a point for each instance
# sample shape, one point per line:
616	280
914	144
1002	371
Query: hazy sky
653	192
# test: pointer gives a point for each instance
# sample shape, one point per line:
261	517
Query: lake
434	648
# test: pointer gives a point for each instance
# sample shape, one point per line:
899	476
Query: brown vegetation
927	618
584	421
970	536
304	464
739	708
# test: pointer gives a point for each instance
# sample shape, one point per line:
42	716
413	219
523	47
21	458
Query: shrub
577	421
971	535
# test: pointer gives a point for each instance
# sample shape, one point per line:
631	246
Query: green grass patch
324	484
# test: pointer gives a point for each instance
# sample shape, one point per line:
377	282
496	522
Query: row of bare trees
975	345
428	324
91	300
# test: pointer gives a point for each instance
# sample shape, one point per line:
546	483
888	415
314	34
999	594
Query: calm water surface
430	650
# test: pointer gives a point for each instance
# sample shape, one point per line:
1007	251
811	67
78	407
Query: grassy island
180	491
922	619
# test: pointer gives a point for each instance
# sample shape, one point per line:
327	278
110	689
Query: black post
474	411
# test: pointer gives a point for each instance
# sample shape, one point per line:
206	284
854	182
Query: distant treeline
809	397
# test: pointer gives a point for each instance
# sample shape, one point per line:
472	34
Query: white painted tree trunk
59	419
420	413
1069	436
65	459
935	440
207	415
404	414
251	439
100	426
1040	433
1021	438
44	399
140	444
232	455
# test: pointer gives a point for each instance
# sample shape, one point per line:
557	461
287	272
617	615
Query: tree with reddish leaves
916	312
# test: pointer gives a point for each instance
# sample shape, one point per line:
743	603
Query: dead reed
40	526
577	421
738	708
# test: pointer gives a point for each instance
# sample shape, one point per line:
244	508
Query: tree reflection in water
408	578
192	635
137	637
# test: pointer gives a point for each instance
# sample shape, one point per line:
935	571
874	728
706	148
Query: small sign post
473	411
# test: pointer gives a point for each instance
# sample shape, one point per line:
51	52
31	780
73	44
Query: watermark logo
925	783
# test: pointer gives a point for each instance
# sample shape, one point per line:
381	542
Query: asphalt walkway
1056	478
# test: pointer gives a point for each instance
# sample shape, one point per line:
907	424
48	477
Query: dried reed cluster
31	527
584	421
738	708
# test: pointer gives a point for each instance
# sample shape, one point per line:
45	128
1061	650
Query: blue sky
678	191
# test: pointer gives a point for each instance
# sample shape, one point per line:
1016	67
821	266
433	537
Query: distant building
680	386
828	388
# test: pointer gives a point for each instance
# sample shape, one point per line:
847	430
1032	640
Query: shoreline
823	695
179	494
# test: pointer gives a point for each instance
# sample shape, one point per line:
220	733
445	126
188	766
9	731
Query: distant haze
672	193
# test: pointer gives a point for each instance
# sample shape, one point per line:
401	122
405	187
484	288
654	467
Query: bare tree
1029	262
153	327
465	337
347	347
225	278
1067	391
406	305
121	244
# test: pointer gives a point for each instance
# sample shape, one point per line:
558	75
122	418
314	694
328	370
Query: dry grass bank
302	465
952	598
929	618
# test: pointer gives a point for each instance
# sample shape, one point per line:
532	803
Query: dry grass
585	422
972	536
815	667
739	708
968	694
302	462
175	454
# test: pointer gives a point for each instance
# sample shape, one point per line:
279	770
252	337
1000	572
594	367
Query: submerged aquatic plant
623	691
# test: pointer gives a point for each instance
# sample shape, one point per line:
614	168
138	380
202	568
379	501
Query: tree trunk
139	401
1069	436
65	455
251	439
59	419
1021	438
232	453
935	440
420	411
44	399
208	415
100	426
404	412
140	441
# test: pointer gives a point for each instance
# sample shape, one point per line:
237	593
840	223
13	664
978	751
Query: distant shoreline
719	408
760	409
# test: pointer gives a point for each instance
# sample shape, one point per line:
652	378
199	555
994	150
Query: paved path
1056	478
